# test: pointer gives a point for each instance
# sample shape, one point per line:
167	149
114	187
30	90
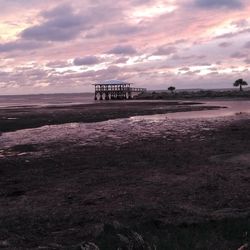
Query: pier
115	90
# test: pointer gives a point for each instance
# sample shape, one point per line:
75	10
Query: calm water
121	131
230	108
46	99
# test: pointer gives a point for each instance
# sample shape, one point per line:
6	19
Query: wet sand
15	118
141	182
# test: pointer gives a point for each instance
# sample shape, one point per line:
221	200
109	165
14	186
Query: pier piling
115	90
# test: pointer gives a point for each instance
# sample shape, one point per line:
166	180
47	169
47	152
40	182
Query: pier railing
138	89
115	91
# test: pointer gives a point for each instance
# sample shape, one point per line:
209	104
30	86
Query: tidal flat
125	175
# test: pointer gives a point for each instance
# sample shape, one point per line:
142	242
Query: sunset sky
54	46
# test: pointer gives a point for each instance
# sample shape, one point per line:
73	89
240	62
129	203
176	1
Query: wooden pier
115	90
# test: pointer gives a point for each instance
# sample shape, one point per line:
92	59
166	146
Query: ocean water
46	99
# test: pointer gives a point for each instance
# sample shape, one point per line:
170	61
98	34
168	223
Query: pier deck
115	91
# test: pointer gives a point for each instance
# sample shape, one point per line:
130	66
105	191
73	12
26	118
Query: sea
45	99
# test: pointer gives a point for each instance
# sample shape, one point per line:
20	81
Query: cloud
242	23
238	55
24	77
165	50
122	50
46	32
141	2
87	60
21	45
58	11
184	69
118	29
214	4
58	64
233	34
224	44
123	29
121	60
64	23
61	24
247	45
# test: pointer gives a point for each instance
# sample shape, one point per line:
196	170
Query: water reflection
122	131
229	108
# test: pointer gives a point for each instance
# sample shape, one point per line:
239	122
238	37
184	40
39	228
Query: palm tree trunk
241	87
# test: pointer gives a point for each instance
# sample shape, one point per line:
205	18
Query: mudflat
153	184
14	118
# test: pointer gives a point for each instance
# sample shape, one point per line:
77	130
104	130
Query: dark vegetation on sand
199	94
152	193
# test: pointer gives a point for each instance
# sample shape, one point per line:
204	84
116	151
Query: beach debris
244	247
21	154
117	225
89	246
4	243
11	118
132	240
124	237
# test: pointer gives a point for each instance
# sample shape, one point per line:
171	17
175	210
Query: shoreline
186	187
16	118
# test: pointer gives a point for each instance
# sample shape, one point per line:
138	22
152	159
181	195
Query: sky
53	46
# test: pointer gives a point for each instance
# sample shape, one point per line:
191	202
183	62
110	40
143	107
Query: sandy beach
116	176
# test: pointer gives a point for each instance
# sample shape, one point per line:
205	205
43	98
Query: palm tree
240	82
172	89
